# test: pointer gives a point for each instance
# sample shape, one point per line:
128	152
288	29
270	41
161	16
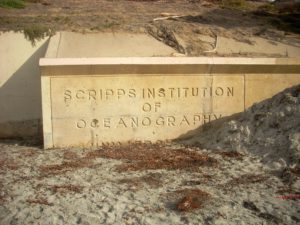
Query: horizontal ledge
168	65
168	61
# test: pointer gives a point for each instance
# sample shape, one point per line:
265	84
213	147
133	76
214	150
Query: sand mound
269	129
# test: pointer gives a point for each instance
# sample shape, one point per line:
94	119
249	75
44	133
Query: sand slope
269	129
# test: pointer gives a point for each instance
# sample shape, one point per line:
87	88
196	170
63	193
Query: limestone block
261	86
91	110
94	101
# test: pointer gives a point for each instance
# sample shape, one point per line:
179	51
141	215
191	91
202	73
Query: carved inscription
104	109
147	93
134	121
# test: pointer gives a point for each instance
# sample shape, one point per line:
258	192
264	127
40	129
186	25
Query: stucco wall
20	86
20	82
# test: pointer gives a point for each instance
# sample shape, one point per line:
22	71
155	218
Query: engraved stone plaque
91	103
92	110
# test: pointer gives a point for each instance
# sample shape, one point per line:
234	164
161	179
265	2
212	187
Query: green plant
17	4
234	4
268	7
37	32
33	1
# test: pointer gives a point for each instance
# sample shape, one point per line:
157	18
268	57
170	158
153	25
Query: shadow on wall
205	131
20	99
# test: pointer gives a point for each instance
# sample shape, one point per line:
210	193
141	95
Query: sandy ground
269	129
140	184
200	28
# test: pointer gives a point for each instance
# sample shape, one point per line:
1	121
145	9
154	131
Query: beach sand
120	185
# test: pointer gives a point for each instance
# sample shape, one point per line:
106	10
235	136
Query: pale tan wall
20	86
95	100
77	45
261	86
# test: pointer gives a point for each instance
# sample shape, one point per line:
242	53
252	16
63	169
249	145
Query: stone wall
20	85
94	101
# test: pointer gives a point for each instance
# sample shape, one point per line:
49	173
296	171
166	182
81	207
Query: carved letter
151	93
143	92
171	121
185	91
134	122
81	124
197	119
219	91
178	93
101	94
172	92
95	123
109	92
106	122
132	93
217	117
184	120
146	121
78	94
68	96
156	106
146	107
161	92
122	122
92	94
160	121
195	91
121	92
206	118
229	91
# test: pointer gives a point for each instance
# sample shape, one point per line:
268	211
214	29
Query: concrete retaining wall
20	85
93	101
69	54
20	82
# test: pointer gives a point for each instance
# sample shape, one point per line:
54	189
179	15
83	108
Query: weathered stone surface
262	86
20	85
106	109
127	101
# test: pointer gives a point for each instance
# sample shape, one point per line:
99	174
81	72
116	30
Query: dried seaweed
40	201
65	167
246	179
62	189
191	199
153	180
231	154
153	157
9	164
70	155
